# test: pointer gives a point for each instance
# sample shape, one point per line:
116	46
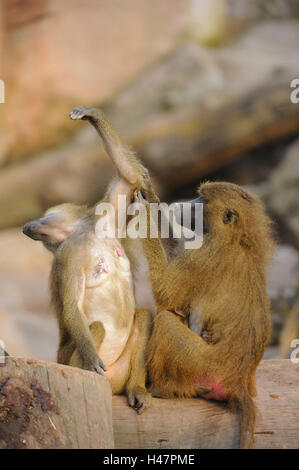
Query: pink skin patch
217	392
104	268
119	252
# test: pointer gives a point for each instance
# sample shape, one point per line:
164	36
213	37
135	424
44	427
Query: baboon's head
56	225
234	217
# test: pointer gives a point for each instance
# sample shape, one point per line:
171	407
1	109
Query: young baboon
134	177
225	280
92	292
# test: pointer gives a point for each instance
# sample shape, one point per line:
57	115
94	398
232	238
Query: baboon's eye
229	216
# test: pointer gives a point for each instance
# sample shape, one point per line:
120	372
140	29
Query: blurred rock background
200	88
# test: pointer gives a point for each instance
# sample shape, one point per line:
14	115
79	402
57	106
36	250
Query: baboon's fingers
102	365
83	112
131	399
99	371
143	402
138	198
140	401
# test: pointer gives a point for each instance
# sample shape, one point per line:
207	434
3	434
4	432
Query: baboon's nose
29	229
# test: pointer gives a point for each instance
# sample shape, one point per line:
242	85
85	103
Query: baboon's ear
229	216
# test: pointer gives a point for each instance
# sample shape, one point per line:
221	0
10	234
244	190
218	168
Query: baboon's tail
244	406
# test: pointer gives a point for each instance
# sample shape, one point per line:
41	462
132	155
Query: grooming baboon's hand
139	399
206	335
138	198
94	363
83	112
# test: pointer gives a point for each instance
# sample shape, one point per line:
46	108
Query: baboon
135	177
92	292
224	280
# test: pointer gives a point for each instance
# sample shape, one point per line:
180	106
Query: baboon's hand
83	112
138	198
206	335
94	363
139	399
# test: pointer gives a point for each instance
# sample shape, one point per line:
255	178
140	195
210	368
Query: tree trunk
202	424
49	406
46	405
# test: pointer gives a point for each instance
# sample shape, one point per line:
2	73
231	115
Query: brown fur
226	279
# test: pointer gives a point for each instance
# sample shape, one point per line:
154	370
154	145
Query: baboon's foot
139	399
83	112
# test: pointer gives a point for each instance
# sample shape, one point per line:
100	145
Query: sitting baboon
224	281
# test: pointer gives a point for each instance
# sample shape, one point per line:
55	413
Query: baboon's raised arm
128	166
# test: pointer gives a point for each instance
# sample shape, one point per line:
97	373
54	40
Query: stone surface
28	325
283	192
61	54
283	278
171	112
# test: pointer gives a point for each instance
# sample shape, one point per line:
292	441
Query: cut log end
45	405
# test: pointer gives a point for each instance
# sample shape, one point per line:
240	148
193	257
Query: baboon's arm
153	247
124	159
71	291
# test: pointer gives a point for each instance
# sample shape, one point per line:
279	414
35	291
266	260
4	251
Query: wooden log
197	423
47	405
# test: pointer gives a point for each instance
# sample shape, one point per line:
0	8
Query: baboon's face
55	226
228	210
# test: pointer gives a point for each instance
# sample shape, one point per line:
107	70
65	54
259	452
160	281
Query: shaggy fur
226	279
